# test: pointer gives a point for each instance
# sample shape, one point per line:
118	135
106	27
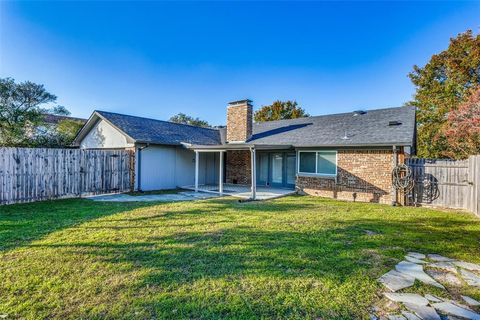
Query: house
346	156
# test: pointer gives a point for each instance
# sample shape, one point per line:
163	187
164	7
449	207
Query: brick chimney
239	121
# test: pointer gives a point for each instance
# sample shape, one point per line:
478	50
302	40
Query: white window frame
316	163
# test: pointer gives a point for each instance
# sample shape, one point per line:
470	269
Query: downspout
394	164
139	167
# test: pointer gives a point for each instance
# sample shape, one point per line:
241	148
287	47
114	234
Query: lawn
294	257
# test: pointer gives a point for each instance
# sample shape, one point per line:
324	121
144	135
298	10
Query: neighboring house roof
345	129
145	130
55	119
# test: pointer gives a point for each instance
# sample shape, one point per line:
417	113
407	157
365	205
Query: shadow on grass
23	223
339	250
207	251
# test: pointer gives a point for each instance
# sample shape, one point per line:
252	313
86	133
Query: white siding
104	135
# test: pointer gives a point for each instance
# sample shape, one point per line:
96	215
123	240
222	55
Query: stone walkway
434	270
166	197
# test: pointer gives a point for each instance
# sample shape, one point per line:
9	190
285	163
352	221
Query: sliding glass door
276	169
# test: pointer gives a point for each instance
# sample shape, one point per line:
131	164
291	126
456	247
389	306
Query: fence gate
446	183
32	174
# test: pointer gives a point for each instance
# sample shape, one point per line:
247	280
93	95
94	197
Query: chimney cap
238	102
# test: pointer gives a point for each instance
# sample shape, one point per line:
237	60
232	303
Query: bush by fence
32	174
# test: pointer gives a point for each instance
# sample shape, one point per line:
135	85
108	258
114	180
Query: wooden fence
446	183
32	174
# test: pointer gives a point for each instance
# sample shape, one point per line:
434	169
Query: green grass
294	257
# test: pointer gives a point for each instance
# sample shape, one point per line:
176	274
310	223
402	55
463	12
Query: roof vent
345	137
359	112
394	123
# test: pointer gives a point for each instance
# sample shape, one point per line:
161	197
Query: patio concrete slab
167	197
244	191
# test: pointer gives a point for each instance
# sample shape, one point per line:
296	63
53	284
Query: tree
280	110
57	135
23	107
441	86
184	119
462	130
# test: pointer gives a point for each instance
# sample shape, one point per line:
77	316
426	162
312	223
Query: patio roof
238	146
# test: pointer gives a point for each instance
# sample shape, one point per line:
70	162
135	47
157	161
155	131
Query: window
307	162
322	163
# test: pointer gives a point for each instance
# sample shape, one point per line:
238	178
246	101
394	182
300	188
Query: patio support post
254	173
197	159
220	174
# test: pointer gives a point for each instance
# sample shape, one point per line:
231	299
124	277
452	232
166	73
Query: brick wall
362	175
238	167
239	122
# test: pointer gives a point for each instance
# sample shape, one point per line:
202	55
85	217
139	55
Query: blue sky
156	59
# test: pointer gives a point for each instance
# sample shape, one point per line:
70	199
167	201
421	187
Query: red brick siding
362	175
238	167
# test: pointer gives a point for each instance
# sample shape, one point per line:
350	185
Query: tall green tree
184	119
23	107
280	110
441	86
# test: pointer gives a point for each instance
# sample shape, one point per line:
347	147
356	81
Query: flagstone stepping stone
414	260
370	232
395	280
416	271
471	278
445	277
423	312
449	266
457	311
467	265
396	317
412	298
470	301
416	255
439	258
432	298
410	316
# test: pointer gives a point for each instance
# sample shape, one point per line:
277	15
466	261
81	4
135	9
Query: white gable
104	135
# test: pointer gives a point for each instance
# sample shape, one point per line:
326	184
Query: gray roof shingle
147	130
371	128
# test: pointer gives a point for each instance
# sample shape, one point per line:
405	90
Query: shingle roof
147	130
371	128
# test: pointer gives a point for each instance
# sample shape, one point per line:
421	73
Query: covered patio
243	191
246	191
